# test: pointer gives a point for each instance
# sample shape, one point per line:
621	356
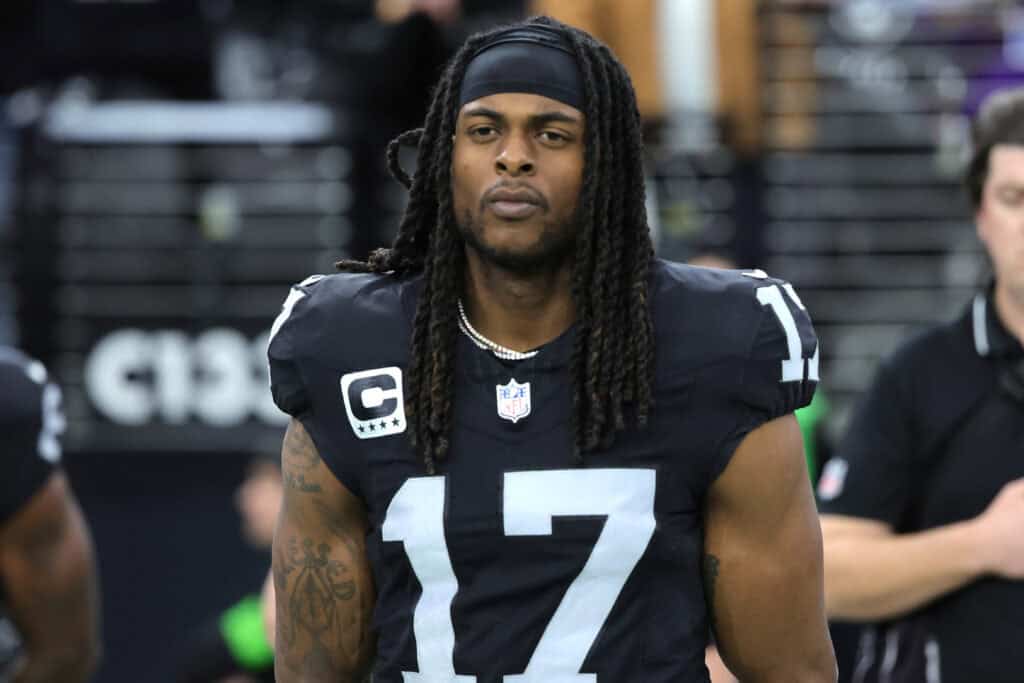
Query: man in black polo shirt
49	607
923	507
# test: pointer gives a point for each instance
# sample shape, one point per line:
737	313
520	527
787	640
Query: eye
482	132
554	137
1012	197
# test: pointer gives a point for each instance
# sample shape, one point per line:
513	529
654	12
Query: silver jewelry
486	344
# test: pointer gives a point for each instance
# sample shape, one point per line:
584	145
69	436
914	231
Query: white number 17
531	499
793	366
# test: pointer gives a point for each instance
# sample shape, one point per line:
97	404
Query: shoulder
31	421
934	364
24	380
937	346
706	315
677	283
335	306
338	322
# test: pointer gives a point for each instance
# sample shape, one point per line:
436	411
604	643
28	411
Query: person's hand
1000	532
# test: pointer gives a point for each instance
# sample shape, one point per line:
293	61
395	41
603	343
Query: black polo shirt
31	422
939	433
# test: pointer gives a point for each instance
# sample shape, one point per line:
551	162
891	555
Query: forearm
322	625
869	578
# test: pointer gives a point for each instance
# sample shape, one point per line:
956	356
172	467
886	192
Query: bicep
763	558
48	570
322	584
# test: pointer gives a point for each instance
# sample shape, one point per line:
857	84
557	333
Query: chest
975	462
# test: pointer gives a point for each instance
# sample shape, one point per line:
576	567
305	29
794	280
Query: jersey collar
991	338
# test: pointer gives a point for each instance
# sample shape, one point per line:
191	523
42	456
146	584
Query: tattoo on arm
314	585
323	597
299	458
297	482
299	452
710	575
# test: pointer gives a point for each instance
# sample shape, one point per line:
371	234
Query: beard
552	249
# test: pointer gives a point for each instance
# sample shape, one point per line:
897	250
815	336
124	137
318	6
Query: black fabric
719	353
25	462
524	60
933	441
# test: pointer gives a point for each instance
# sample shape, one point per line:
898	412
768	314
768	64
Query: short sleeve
286	385
872	473
31	421
301	385
780	369
779	372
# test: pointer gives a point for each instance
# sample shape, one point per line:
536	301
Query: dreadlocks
613	356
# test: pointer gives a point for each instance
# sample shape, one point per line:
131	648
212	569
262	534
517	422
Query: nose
515	157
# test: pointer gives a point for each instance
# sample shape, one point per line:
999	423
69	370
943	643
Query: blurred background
169	167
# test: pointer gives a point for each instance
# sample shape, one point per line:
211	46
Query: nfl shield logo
513	400
833	478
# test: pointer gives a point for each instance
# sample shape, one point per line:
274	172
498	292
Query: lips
514	204
513	210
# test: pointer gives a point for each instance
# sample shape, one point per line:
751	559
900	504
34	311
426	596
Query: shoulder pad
23	380
340	321
31	421
754	326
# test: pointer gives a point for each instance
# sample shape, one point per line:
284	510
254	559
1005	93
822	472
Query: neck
1010	308
521	312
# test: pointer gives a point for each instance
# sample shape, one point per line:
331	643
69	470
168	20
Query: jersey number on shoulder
793	366
531	500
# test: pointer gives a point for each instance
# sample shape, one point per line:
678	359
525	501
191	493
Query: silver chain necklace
486	344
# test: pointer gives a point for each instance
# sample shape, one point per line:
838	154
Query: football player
524	449
48	584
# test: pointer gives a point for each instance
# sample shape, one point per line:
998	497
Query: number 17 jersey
514	563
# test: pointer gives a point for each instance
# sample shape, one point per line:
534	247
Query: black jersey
514	563
31	423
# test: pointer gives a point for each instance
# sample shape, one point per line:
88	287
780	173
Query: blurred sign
219	378
173	231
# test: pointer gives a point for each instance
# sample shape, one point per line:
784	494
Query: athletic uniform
30	424
514	563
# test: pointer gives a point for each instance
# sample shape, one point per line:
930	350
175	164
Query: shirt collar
991	338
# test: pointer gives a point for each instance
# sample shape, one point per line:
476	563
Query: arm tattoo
297	482
299	458
299	453
313	585
323	603
710	575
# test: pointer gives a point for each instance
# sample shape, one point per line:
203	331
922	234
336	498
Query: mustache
522	191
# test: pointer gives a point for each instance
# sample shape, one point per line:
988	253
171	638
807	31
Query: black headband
529	59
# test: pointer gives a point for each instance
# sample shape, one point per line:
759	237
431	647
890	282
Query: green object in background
242	628
809	417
